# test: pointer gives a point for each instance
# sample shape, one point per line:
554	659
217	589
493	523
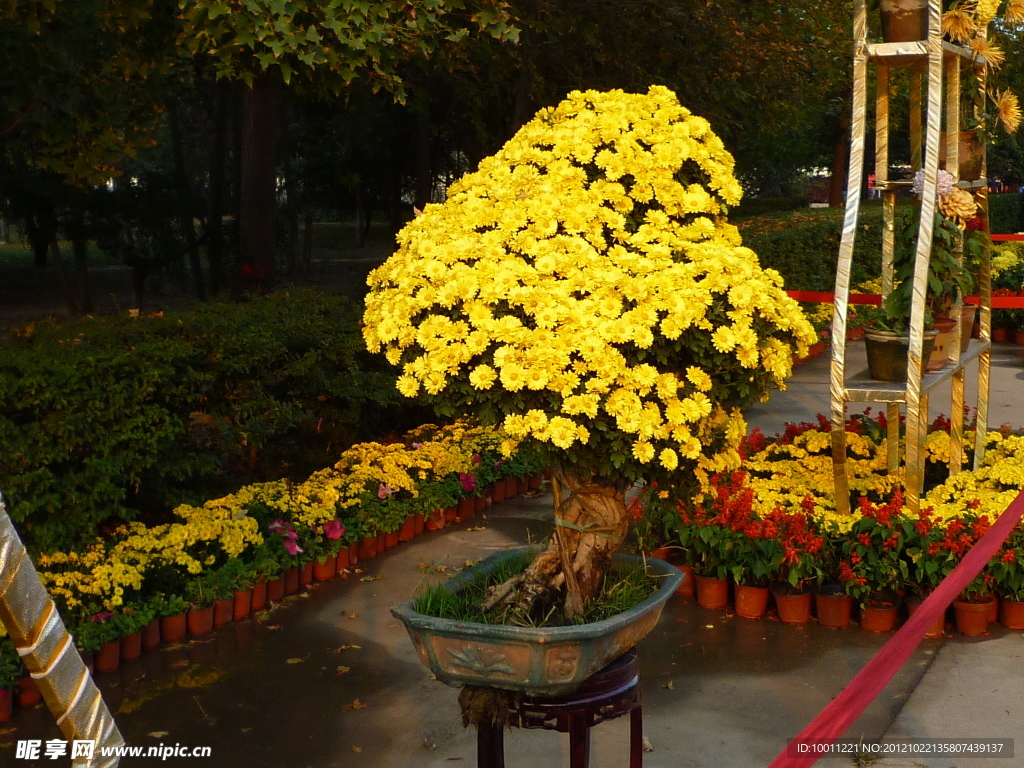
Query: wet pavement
330	678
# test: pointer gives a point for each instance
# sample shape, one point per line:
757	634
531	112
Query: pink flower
292	547
468	482
334	529
417	446
100	617
384	491
277	526
291	535
476	458
499	464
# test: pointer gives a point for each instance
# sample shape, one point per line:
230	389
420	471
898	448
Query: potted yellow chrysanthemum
583	290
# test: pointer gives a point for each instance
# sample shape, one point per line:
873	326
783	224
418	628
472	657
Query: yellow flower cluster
553	273
783	475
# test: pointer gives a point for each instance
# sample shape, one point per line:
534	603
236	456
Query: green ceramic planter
539	661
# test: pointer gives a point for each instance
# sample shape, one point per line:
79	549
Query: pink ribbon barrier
833	721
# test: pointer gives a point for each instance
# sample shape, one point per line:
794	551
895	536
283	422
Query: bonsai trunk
590	524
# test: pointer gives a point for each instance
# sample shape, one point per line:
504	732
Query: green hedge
112	417
804	245
1004	213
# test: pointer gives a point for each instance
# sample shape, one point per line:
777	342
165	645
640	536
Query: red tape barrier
825	297
833	721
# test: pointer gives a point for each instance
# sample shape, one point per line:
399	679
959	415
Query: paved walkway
330	679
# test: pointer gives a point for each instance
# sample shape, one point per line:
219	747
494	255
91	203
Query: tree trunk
67	291
590	524
261	130
840	156
80	250
424	153
307	242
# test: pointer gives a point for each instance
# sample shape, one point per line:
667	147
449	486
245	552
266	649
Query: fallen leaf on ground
441	569
476	528
295	660
647	745
357	749
429	745
347	648
670	685
157	734
246	730
273	626
359	570
371	578
5	731
181	663
353	615
709	626
357	704
342	670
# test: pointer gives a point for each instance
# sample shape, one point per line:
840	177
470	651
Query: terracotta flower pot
523	484
419	523
223	610
972	617
408	530
943	342
535	481
291	581
275	589
172	628
833	609
108	657
353	553
259	596
1000	335
479	504
464	509
751	602
391	539
6	705
242	604
966	325
28	692
937	629
489	497
306	574
687	587
793	608
712	593
341	563
1018	337
993	613
511	487
879	617
498	491
200	621
368	548
131	646
382	543
151	635
435	521
1011	613
325	571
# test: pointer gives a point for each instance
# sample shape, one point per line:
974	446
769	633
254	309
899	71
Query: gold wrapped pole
46	648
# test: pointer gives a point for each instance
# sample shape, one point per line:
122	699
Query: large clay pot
6	705
498	492
172	628
793	608
242	604
28	692
751	602
419	523
306	574
904	21
353	553
325	571
712	593
535	481
943	341
1000	335
937	629
200	621
131	646
993	613
688	586
661	553
151	635
382	543
368	548
879	617
465	508
108	657
341	563
1011	613
408	530
435	520
889	353
511	487
967	325
223	610
391	539
275	589
972	617
833	609
259	596
291	581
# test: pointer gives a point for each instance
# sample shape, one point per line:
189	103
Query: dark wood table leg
579	739
636	738
490	745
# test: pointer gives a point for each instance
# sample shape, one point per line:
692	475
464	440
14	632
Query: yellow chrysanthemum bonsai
584	290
